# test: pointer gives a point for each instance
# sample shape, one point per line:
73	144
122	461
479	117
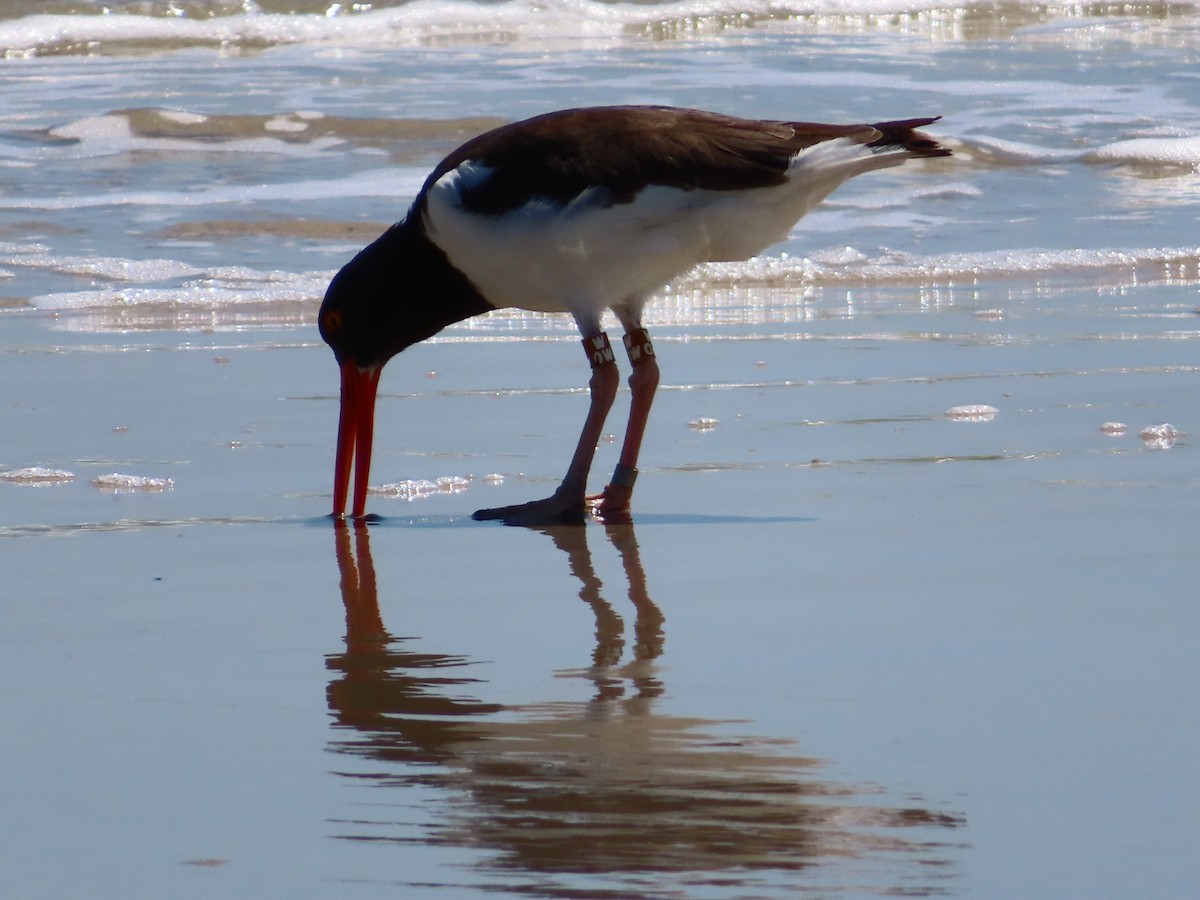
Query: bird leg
568	503
612	504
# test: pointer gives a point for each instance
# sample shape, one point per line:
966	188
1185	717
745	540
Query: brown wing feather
904	134
560	155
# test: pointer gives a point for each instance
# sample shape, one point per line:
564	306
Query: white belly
586	256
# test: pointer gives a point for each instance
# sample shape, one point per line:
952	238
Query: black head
352	314
399	290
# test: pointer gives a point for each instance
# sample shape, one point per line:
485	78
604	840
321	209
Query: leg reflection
610	627
610	680
648	627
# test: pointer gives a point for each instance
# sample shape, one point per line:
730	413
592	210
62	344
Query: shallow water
897	651
854	644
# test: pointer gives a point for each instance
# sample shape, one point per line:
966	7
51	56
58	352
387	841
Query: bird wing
559	156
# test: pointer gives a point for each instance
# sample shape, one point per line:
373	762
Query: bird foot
554	510
611	506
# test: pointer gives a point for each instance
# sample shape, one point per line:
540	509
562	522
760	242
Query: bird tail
904	134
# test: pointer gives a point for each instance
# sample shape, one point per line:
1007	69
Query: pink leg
603	390
613	503
568	503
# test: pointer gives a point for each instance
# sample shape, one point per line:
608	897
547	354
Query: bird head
399	290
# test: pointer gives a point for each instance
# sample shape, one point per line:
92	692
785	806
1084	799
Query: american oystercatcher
580	211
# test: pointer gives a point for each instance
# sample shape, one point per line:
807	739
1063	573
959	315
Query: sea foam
418	22
146	283
119	483
37	476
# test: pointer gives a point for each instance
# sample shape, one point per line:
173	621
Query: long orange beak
356	430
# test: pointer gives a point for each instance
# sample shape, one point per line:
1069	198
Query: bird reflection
605	795
610	627
404	702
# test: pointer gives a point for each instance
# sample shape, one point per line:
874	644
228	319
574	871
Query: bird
581	211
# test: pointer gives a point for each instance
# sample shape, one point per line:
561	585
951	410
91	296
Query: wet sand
849	647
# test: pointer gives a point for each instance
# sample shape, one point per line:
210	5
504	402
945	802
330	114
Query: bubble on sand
1116	429
839	256
703	423
972	412
417	489
37	476
127	484
1160	437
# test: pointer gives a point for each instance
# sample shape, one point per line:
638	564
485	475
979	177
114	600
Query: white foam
224	298
972	412
1160	437
182	117
419	489
419	21
285	124
839	256
1174	151
112	135
1007	152
398	182
202	295
899	267
141	282
109	267
124	484
37	476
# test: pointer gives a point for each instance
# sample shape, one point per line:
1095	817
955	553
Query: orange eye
332	323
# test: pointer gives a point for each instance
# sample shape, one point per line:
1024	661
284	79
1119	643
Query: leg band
624	476
599	350
638	346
